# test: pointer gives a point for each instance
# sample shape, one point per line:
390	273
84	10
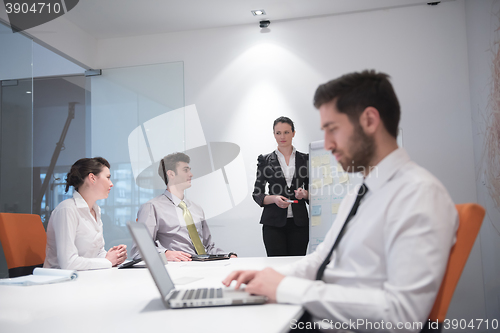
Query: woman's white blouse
74	238
288	172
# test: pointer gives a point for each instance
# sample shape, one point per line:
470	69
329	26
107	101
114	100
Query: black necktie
361	193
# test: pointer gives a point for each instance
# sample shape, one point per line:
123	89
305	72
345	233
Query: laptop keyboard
202	293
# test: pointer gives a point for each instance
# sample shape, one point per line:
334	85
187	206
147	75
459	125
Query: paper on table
42	276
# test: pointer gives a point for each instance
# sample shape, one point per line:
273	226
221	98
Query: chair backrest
23	241
470	219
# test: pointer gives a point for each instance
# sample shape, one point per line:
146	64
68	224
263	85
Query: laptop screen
150	255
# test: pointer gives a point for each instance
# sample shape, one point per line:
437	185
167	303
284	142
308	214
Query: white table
127	300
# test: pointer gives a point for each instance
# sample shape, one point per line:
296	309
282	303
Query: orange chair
23	240
470	219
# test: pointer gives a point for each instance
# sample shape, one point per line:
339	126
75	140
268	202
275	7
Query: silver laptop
183	298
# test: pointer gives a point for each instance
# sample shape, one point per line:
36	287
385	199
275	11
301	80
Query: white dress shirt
288	172
165	222
74	237
390	263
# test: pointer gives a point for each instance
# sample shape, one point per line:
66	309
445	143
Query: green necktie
193	233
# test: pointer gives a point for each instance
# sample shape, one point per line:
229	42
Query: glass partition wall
114	115
16	125
131	116
136	117
16	122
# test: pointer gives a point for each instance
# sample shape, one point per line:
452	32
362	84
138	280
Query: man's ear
370	120
170	174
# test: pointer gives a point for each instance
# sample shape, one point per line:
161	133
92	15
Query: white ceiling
123	18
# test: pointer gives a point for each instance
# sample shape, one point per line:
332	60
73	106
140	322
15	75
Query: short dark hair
357	91
169	162
82	168
285	120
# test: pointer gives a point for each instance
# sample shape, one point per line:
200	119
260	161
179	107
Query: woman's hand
117	254
278	200
281	201
301	194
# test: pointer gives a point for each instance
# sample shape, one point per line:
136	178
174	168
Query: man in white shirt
389	260
165	218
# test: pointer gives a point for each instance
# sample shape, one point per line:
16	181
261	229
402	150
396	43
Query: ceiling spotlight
258	12
28	92
264	23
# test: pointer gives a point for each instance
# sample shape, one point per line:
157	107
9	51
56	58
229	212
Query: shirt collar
283	156
386	168
79	200
81	203
173	198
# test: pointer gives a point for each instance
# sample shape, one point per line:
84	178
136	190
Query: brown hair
169	162
357	91
82	168
284	120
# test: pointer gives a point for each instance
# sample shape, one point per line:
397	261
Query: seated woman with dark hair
74	233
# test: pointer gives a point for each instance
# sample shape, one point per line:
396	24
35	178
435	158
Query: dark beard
361	151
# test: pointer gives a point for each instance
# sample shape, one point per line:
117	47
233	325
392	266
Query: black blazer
269	171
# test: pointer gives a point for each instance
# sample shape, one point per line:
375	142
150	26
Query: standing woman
285	225
74	232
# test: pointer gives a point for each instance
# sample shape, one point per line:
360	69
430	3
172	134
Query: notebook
184	298
42	276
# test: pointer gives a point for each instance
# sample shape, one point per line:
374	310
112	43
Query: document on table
42	276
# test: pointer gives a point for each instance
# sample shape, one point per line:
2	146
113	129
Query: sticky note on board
323	171
316	210
316	161
317	183
335	208
325	159
315	220
327	180
343	178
